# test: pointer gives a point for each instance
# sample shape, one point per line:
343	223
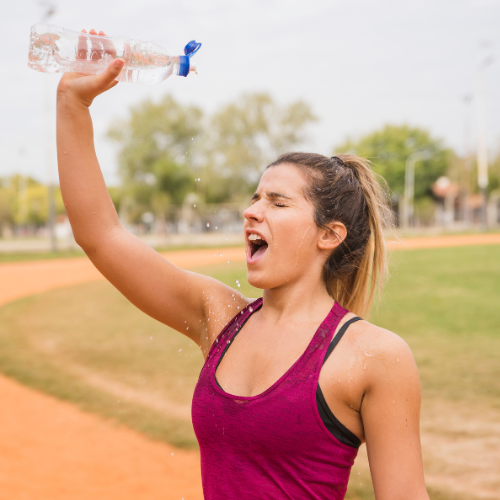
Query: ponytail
344	188
368	279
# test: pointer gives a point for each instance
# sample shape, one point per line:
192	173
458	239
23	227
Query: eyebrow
272	195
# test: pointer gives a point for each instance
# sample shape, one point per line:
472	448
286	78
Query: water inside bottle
54	50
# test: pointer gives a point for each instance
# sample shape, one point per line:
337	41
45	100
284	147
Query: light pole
410	185
48	11
465	184
482	147
21	191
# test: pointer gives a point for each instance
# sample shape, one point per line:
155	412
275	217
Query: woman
294	382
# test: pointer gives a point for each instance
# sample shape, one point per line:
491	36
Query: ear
332	237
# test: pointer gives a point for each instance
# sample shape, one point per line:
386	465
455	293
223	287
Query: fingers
107	45
107	79
81	51
96	52
98	48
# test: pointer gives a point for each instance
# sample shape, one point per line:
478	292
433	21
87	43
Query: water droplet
251	309
364	367
215	227
208	224
172	454
150	338
194	205
179	350
397	359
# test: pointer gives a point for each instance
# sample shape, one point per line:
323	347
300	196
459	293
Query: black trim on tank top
332	423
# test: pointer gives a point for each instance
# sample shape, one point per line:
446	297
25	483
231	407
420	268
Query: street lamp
482	148
466	164
409	192
49	10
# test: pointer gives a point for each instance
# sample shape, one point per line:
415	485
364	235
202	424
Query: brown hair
344	188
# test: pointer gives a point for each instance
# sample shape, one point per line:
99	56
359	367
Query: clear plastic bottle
58	50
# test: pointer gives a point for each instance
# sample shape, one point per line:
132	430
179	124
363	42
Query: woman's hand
84	89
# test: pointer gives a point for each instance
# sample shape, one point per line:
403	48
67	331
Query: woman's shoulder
378	338
385	354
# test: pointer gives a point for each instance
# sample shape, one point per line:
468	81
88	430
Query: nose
254	213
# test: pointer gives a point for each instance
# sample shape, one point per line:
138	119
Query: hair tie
339	160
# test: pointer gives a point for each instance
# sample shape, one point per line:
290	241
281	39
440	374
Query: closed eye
280	204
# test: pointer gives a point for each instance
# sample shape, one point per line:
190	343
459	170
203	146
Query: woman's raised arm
193	304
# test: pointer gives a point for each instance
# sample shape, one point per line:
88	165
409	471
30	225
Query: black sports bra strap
339	335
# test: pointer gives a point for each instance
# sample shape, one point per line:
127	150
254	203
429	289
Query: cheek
292	232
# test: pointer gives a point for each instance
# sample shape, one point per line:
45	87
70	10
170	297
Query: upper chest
259	355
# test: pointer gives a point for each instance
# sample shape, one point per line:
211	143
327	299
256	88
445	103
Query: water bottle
58	50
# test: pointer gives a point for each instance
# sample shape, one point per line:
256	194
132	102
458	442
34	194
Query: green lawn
88	345
24	256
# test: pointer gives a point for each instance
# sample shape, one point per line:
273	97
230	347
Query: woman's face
281	237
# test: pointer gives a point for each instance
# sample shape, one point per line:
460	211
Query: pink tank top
273	445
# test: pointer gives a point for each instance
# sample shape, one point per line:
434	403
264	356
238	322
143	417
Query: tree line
167	150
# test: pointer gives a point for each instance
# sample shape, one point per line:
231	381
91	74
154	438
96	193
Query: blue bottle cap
183	65
191	48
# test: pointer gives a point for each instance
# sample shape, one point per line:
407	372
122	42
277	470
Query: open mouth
257	247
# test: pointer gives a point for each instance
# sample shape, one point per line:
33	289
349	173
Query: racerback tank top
275	444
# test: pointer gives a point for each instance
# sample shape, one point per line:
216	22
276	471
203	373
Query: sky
360	64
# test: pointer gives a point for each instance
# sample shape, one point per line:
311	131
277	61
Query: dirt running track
49	450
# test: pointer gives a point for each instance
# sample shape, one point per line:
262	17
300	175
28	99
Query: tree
388	150
165	147
24	201
7	202
245	136
158	142
494	174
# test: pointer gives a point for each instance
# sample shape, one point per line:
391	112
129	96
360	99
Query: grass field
88	345
26	256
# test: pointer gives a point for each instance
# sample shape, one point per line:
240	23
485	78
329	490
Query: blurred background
412	86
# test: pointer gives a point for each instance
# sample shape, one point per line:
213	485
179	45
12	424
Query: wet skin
370	381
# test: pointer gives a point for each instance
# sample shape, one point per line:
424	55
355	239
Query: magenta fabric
273	445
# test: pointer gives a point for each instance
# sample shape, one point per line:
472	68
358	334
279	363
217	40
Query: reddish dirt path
50	450
454	240
21	279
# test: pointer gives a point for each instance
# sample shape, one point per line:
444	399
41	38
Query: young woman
294	382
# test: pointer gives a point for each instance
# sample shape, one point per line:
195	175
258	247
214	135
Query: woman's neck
299	302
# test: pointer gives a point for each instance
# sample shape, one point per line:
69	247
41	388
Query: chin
262	280
256	279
